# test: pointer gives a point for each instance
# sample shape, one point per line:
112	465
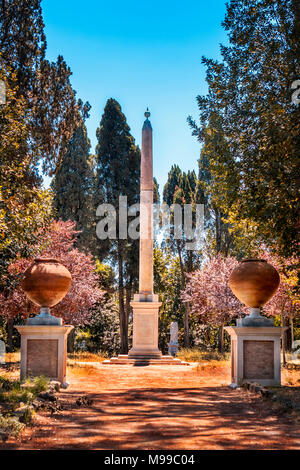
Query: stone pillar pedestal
145	328
255	354
44	351
173	349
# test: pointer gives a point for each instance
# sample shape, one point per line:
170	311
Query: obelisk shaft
146	216
145	304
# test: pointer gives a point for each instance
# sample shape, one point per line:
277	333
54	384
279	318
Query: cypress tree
73	188
180	189
118	174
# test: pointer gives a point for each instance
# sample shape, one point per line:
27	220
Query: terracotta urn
253	282
46	282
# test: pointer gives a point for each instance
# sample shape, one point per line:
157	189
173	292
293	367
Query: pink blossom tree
77	307
210	296
285	302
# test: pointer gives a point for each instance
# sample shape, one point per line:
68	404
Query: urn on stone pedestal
44	338
253	282
255	342
46	282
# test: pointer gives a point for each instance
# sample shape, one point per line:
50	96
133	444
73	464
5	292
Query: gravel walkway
154	407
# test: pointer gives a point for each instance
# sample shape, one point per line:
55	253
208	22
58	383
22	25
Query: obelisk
145	304
146	223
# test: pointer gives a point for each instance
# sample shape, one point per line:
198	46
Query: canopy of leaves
249	125
50	107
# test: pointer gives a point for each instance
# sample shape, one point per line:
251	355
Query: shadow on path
164	418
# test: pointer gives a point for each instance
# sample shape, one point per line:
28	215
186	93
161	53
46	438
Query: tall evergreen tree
73	187
50	105
173	182
249	123
180	189
156	195
22	40
118	174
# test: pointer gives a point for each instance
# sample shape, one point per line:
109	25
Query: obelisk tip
147	123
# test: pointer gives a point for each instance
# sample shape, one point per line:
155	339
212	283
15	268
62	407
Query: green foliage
180	189
73	187
249	125
156	195
10	427
18	397
51	109
173	183
167	281
83	341
27	416
104	329
24	208
15	392
23	216
106	275
38	384
36	123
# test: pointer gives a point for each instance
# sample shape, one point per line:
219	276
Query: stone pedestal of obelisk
145	304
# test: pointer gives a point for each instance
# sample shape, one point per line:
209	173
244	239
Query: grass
82	369
85	357
291	376
195	355
287	397
15	392
13	357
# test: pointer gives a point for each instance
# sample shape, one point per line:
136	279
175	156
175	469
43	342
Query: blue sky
142	53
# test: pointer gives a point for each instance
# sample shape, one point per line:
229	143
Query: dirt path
150	408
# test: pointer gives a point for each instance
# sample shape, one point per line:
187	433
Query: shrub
10	427
27	415
40	384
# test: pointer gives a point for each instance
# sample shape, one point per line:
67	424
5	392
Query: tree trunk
9	328
186	306
218	231
128	306
122	311
292	331
221	338
71	341
283	342
207	337
186	326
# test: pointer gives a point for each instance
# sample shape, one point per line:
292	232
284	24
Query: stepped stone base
124	359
